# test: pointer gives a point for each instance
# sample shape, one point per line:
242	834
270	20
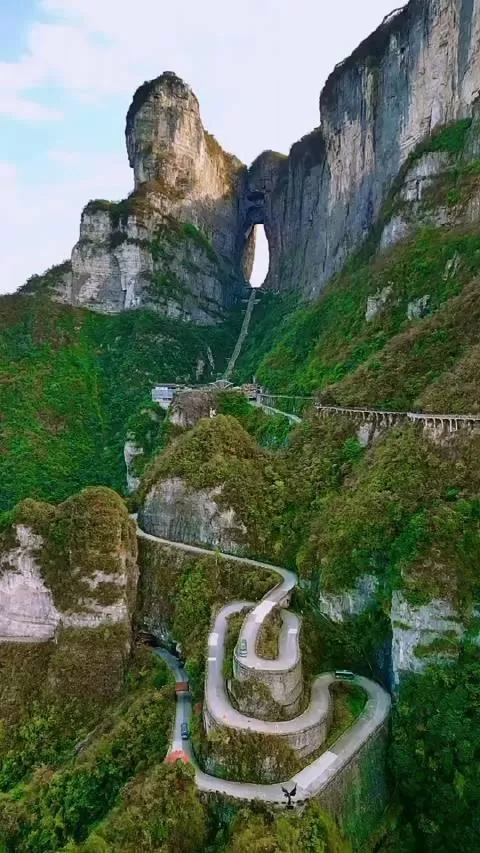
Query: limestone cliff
68	576
173	244
419	70
71	566
424	634
212	486
439	187
174	511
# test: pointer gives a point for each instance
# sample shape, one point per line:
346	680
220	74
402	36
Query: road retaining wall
359	794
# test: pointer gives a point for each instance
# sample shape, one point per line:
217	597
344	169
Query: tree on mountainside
313	831
159	813
436	755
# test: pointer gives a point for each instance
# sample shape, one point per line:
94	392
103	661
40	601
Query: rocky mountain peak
164	131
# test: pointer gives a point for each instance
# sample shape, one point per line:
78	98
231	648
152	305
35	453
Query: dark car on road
242	649
184	731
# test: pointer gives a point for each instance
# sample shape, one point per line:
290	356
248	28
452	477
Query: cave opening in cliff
261	261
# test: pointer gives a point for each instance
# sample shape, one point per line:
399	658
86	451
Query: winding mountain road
317	775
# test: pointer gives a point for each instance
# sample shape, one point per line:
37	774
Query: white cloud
23	109
256	66
8	175
39	224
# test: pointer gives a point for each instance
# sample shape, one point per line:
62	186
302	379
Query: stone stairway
243	334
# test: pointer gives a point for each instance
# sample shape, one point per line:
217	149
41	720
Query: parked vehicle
184	731
242	649
344	675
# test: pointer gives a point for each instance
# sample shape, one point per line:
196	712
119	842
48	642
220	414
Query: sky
69	68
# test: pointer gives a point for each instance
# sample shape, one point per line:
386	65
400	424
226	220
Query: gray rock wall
172	510
354	602
182	176
420	69
416	632
196	180
28	613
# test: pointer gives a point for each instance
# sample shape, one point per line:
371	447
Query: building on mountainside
251	391
164	394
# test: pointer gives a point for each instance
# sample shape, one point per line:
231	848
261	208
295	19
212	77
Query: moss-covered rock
213	486
68	576
85	550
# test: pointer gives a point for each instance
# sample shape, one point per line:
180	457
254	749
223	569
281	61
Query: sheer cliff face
198	181
67	566
419	70
136	252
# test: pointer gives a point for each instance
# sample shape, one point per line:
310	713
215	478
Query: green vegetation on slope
89	533
402	502
158	811
436	753
180	592
271	431
162	813
56	806
71	380
390	360
311	832
404	510
85	552
53	695
408	516
219	452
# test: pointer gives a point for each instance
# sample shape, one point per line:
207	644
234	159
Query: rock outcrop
419	70
131	451
435	189
72	566
174	243
354	602
27	610
189	407
423	634
174	511
68	577
212	486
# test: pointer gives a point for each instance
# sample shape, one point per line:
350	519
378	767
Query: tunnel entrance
261	260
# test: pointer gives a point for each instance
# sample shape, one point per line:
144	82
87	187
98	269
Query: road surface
269	410
316	776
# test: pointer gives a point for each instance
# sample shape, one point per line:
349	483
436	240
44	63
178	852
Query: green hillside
389	360
70	381
397	330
